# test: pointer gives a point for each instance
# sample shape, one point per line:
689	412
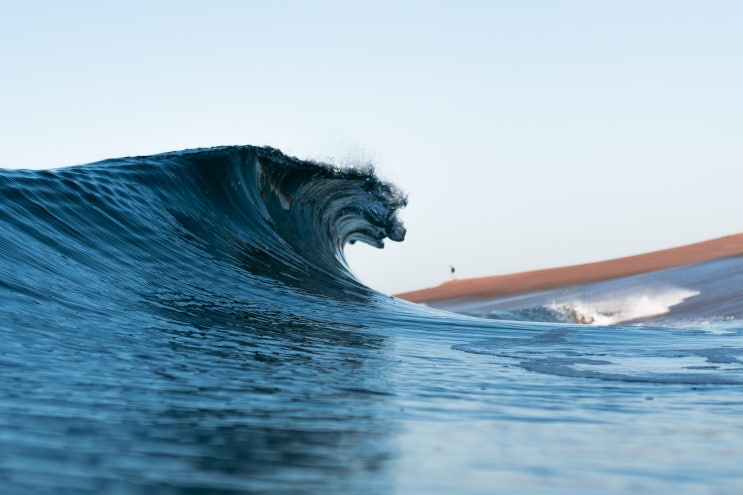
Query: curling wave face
120	234
186	323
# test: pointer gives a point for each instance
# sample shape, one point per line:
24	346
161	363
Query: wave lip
313	204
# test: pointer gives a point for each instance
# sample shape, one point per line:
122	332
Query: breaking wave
187	323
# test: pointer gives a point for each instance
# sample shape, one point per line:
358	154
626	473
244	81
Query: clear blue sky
527	133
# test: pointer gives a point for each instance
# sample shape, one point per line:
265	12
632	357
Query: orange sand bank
553	278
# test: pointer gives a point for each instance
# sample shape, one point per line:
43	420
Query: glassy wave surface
186	323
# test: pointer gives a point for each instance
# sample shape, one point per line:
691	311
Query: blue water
186	323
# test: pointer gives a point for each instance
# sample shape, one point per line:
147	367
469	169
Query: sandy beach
553	278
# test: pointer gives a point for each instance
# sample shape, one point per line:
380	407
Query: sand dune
553	278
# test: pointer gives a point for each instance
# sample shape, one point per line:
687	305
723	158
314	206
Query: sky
527	134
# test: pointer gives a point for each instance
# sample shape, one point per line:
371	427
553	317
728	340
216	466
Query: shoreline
554	278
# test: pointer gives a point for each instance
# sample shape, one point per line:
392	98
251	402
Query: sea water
186	323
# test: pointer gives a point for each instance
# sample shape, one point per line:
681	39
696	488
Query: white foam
627	307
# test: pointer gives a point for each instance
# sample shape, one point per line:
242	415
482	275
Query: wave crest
235	215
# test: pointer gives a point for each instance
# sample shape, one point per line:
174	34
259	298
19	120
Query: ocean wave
187	323
105	232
